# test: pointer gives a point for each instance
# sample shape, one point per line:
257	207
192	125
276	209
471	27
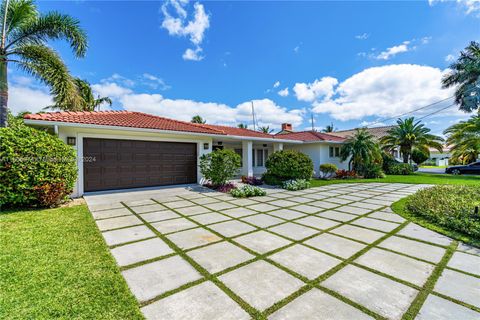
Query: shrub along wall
36	168
287	165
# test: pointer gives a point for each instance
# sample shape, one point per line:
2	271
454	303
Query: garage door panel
130	163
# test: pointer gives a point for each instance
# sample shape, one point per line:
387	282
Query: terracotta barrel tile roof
233	131
123	119
309	136
377	132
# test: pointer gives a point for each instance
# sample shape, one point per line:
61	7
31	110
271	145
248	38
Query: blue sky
350	63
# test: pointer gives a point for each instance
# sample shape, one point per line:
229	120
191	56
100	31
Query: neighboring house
125	149
439	158
377	132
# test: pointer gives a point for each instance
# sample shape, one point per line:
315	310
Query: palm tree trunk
405	157
3	92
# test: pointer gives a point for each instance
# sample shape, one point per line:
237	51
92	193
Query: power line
411	111
437	111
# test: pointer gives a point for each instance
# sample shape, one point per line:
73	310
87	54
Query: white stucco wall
80	133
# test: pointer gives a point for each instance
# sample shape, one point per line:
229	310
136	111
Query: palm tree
329	128
409	134
24	43
198	119
242	126
90	103
464	137
361	148
265	129
465	75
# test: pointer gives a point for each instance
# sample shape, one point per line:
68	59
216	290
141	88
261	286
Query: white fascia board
118	128
323	142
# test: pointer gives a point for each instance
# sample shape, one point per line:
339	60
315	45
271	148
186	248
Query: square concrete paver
159	216
286	214
386	297
119	236
231	228
140	251
294	231
353	210
243	202
317	222
135	203
261	284
316	304
238	212
335	215
305	208
300	199
283	203
193	238
262	207
465	262
211	217
414	248
400	267
205	200
118	222
262	220
262	241
305	261
201	302
117	212
148	208
358	233
178	204
219	256
336	245
220	206
386	216
415	231
190	211
436	308
323	204
150	280
173	225
376	224
459	286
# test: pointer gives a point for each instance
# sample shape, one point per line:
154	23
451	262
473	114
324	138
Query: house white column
247	157
277	146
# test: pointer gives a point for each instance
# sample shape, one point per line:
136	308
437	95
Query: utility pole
253	116
313	127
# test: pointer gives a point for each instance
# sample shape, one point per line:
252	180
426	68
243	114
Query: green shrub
450	206
400	169
294	185
288	164
271	179
219	166
36	168
371	171
247	191
328	170
419	157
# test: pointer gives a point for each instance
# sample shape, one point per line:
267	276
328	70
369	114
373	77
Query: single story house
439	158
126	149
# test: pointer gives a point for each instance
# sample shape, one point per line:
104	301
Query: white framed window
334	152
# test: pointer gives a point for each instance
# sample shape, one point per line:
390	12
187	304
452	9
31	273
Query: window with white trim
259	157
334	152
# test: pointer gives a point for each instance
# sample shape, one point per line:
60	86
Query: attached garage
119	164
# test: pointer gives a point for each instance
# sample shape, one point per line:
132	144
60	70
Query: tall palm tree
409	134
198	119
242	126
361	148
464	137
23	42
265	129
465	75
90	103
329	128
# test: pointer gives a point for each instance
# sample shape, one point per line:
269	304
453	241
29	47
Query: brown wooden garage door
117	164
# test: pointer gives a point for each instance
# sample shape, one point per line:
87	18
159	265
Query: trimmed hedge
455	207
36	168
219	166
287	165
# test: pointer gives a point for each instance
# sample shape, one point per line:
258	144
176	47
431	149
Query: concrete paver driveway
332	252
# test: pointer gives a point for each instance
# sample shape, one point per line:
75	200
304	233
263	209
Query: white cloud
154	82
110	89
363	36
450	58
179	25
25	98
276	84
312	91
393	51
283	92
267	111
470	6
386	91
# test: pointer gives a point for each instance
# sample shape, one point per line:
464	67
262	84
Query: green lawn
418	177
54	264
